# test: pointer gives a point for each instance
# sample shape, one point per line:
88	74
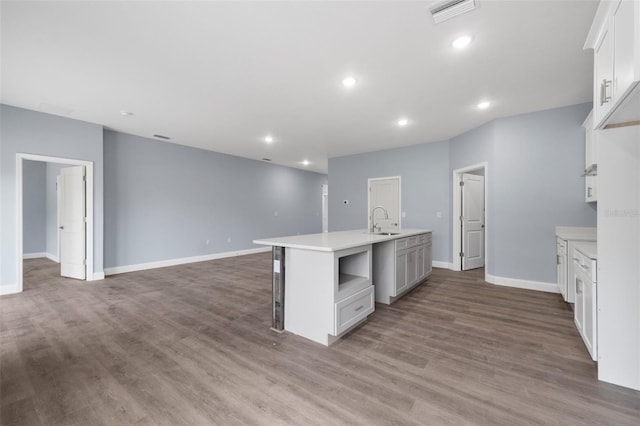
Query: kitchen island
326	284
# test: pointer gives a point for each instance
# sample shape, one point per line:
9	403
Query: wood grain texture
191	344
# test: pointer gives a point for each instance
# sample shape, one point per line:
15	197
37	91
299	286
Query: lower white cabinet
399	265
585	309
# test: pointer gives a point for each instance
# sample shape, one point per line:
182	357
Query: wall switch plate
275	213
439	215
345	202
404	214
229	239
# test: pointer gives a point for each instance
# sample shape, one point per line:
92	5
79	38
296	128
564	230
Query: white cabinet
591	160
400	265
615	39
585	309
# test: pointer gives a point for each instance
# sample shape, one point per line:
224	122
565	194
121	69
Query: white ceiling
222	75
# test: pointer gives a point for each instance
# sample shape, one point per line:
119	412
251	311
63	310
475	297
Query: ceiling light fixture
349	82
126	113
402	122
461	42
484	105
268	139
305	162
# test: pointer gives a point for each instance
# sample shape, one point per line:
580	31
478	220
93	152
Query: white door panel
472	221
386	193
72	222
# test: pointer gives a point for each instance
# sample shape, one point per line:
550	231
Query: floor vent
447	9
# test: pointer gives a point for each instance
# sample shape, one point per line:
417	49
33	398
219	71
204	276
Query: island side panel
309	294
384	271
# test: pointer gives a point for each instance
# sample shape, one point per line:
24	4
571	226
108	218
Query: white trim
369	180
10	289
34	255
182	261
526	284
52	257
97	276
89	207
455	214
439	264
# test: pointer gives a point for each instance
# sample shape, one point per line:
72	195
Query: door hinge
84	178
461	254
461	218
461	183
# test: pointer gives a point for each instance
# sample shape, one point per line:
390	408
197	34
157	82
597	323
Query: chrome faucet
373	224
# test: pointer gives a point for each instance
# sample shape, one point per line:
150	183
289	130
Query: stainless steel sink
387	233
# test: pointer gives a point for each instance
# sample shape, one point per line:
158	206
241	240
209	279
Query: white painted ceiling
222	75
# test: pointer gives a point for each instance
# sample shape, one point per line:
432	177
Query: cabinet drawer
402	243
412	241
422	239
353	309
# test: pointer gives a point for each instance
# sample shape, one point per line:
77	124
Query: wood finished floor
191	345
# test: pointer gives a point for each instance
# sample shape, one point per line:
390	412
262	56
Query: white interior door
472	221
72	222
385	192
325	208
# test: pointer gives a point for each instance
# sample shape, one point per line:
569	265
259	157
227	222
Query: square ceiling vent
447	9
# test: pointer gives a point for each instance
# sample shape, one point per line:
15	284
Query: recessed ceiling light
484	105
402	122
461	42
268	139
126	113
305	162
349	82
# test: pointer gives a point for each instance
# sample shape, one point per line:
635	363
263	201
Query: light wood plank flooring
191	345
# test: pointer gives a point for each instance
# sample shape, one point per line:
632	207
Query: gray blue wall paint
534	166
24	131
53	170
424	170
34	179
163	201
536	185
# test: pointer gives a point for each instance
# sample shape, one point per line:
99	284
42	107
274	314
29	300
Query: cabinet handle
557	259
603	91
578	287
359	308
589	192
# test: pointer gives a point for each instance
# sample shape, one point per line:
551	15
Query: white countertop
588	249
576	233
333	241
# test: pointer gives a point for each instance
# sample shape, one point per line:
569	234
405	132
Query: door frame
369	180
456	243
20	157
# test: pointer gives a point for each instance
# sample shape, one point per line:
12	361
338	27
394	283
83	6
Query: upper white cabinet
615	39
590	160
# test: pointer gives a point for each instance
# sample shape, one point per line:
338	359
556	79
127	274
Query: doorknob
61	227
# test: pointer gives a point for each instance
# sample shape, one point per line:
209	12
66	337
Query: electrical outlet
229	239
439	215
207	242
404	214
345	202
275	213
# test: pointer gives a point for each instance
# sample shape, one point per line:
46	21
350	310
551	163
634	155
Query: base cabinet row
400	265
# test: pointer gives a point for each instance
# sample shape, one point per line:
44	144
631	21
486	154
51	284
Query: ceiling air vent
447	9
162	137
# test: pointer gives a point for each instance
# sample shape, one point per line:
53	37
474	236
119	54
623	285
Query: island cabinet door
412	266
427	260
420	261
401	271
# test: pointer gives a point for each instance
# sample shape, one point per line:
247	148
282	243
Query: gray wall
424	170
53	170
24	131
163	201
34	211
534	184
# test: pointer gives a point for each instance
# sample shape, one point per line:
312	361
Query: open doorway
325	208
73	220
470	217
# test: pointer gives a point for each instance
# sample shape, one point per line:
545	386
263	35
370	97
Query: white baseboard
52	257
182	261
34	255
439	264
97	276
526	284
9	289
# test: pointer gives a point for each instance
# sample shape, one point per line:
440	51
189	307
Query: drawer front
422	239
586	264
402	243
412	241
353	309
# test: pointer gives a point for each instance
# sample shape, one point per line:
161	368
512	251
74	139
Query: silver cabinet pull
557	259
603	91
359	308
61	227
589	192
